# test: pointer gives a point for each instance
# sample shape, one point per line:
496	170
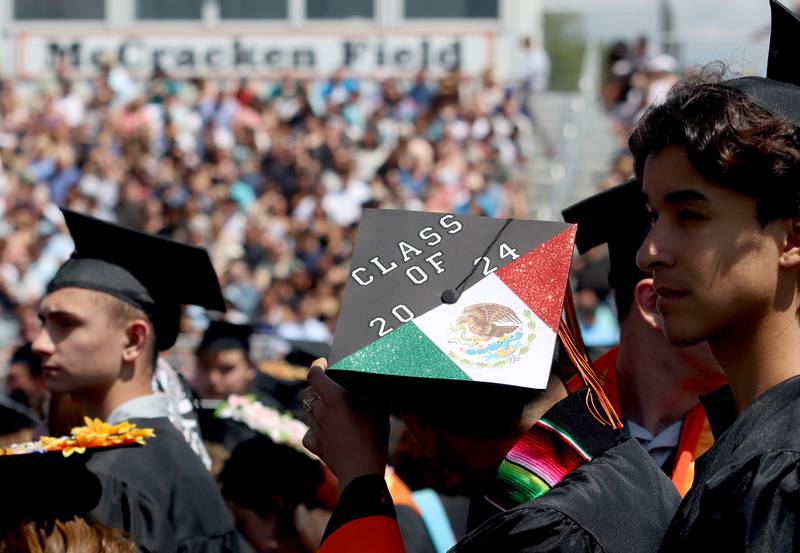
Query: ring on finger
308	401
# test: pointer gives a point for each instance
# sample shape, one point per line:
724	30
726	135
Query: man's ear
137	338
644	296
790	256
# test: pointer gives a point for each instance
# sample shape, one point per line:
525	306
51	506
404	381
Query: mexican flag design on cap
502	329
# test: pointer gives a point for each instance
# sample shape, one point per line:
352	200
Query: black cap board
779	92
452	298
304	352
46	486
617	217
151	273
222	335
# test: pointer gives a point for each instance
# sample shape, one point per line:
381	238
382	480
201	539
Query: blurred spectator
25	380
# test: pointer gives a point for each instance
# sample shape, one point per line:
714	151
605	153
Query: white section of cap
529	370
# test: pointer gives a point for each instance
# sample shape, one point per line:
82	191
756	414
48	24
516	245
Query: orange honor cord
695	427
374	533
597	402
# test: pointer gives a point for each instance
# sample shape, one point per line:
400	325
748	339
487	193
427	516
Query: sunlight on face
79	347
715	267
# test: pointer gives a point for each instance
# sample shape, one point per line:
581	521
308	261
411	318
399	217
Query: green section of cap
405	351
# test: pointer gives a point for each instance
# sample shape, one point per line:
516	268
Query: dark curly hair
729	140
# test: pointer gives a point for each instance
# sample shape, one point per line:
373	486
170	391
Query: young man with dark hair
107	313
654	385
720	167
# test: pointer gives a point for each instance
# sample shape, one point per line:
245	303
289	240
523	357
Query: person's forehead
230	354
669	170
70	300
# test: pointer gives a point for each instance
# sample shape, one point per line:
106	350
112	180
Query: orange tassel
596	400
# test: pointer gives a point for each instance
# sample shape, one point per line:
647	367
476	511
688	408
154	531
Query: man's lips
50	370
668	296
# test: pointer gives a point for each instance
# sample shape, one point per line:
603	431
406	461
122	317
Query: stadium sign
256	54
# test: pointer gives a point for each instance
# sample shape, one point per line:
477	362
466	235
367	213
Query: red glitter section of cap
539	277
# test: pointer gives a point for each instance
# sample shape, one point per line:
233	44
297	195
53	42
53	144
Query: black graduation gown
163	495
619	502
746	492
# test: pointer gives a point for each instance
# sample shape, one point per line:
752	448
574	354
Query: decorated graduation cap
154	274
779	92
452	298
48	479
617	217
44	487
222	335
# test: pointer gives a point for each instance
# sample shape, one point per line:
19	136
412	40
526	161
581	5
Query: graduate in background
25	381
654	386
225	367
476	381
108	311
719	163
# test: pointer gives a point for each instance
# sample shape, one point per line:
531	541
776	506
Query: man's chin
60	386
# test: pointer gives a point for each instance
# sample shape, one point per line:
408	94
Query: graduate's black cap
154	274
304	352
779	92
222	335
457	299
617	217
44	487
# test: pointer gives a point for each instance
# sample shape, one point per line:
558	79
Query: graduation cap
304	352
452	298
48	479
154	274
44	487
617	217
779	92
222	335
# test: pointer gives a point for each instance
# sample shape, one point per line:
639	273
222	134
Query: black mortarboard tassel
153	274
779	92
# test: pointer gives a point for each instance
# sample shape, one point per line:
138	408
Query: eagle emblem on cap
491	335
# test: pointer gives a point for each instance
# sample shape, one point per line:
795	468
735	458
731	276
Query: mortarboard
154	274
779	92
222	335
617	217
46	486
452	298
304	352
48	479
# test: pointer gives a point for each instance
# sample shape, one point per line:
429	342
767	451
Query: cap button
450	296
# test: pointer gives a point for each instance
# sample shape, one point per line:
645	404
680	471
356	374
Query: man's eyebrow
683	196
56	313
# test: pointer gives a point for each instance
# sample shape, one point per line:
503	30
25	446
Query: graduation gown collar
721	409
565	438
151	406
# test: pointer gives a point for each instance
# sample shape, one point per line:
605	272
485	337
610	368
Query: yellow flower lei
95	433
